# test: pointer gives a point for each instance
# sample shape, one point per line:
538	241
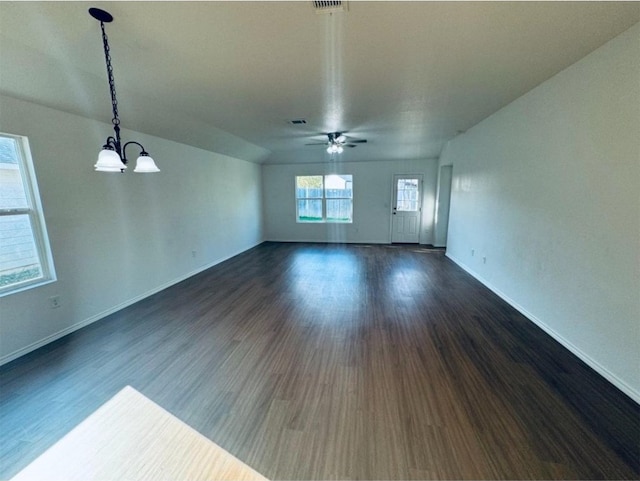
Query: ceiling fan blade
338	138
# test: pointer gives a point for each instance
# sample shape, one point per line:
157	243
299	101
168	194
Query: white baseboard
325	241
79	325
592	363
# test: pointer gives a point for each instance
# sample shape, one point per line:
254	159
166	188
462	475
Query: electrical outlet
473	252
54	302
193	254
484	260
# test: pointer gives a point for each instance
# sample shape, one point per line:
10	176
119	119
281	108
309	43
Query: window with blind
324	198
25	256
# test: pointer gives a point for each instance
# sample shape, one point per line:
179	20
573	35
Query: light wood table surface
132	438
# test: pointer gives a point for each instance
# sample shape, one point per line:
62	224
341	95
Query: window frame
323	199
36	218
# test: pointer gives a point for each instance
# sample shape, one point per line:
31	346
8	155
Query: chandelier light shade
113	157
145	164
109	161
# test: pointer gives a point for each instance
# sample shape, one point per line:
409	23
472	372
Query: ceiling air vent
329	6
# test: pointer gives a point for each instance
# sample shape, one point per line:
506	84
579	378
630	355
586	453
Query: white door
406	209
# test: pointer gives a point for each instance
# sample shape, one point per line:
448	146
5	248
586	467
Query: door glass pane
407	195
310	210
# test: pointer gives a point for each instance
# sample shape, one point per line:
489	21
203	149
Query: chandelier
113	157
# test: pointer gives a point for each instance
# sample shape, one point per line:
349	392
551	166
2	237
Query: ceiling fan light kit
335	149
337	141
112	157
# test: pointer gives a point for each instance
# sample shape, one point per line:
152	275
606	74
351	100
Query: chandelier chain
112	84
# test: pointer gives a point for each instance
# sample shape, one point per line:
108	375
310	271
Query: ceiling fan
337	141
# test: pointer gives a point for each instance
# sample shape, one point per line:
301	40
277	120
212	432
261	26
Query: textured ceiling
227	76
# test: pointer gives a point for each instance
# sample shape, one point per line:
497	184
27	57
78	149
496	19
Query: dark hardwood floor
312	361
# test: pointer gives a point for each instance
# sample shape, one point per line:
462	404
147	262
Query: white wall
548	190
116	238
445	175
372	199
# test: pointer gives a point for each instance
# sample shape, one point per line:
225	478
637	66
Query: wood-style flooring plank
314	361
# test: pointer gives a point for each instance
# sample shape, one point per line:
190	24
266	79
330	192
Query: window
407	191
25	258
324	198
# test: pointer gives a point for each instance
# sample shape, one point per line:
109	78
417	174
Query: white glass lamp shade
145	165
335	149
109	161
